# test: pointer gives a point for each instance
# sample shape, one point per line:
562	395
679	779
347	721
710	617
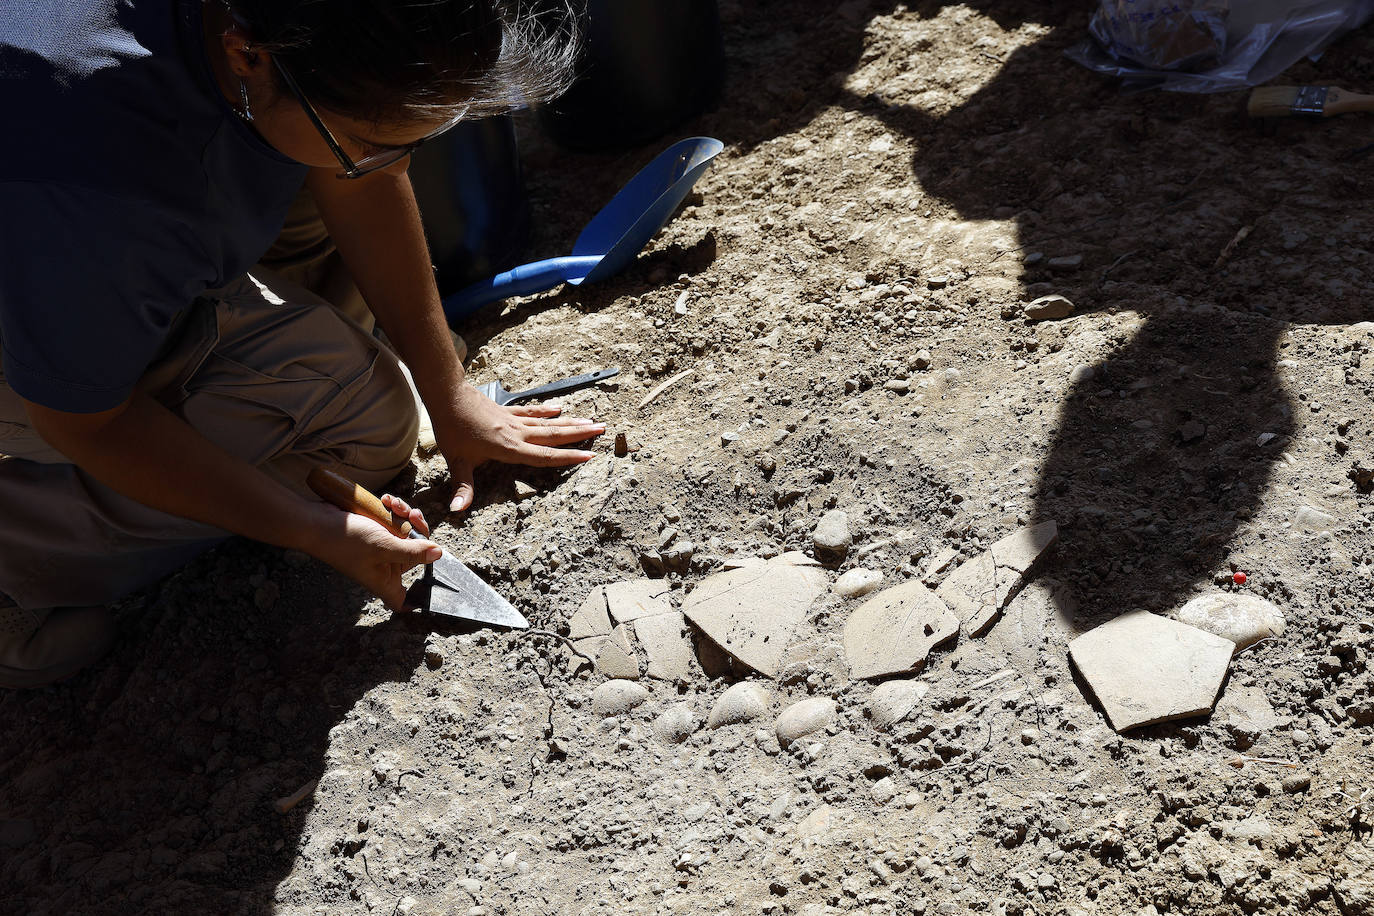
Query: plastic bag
1211	45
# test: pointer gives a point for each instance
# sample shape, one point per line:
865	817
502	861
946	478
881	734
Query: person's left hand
476	429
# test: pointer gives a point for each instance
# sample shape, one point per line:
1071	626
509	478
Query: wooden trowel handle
351	497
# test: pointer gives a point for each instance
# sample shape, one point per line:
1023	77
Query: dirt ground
897	178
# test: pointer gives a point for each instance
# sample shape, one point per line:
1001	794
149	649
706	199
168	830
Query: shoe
38	647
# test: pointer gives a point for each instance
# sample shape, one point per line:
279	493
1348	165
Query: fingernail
588	456
456	506
433	554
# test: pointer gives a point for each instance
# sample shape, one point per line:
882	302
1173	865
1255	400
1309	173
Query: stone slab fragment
666	644
751	612
894	631
612	654
980	589
591	618
1023	548
635	598
1145	669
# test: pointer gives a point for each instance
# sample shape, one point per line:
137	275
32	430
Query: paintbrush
1305	101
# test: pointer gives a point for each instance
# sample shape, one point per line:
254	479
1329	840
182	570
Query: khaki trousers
264	368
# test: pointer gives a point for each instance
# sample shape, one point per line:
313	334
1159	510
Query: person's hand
367	553
477	429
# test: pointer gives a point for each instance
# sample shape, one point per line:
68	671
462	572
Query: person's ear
245	61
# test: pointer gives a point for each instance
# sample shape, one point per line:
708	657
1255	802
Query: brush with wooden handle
1305	101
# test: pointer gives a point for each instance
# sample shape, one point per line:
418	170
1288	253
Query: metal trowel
448	588
500	395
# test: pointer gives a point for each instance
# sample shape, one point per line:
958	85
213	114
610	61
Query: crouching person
161	390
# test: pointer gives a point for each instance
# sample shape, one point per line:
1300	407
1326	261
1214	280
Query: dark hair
404	60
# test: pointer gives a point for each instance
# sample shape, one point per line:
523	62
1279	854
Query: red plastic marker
1239	578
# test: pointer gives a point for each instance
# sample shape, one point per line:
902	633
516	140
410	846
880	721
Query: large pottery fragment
894	631
978	590
1144	668
751	612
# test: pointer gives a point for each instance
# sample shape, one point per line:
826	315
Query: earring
247	113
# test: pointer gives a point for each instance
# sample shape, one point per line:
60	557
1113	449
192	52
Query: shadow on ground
1154	466
149	781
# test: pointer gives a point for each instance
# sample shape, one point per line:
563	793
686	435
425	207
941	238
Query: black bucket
647	66
472	201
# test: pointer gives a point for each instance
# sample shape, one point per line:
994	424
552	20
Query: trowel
447	588
500	395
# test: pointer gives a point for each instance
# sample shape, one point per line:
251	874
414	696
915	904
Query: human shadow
1192	239
149	781
1168	437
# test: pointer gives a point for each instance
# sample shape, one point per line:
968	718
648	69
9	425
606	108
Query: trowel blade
450	589
495	392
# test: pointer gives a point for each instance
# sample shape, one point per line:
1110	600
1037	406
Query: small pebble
1297	782
676	724
892	700
884	790
857	582
1048	308
1243	619
832	536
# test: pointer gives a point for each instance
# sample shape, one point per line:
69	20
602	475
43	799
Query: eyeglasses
369	163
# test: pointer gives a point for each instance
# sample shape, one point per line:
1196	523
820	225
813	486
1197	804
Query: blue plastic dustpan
613	237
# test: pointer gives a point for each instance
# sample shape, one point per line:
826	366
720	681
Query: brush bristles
1272	101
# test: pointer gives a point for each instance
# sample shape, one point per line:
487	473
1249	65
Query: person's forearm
375	223
149	454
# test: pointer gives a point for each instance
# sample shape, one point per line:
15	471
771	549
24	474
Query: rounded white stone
893	700
743	702
1243	619
804	718
857	582
676	724
615	698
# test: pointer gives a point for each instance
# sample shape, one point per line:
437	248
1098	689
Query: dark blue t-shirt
127	188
